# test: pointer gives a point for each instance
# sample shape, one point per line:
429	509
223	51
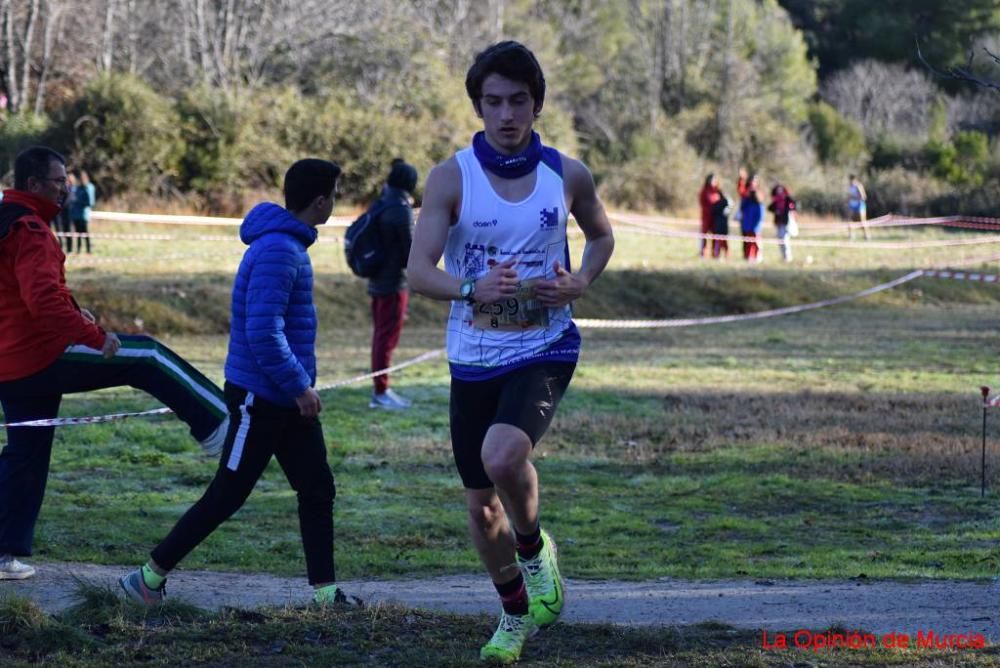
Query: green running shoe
508	640
329	594
544	584
137	589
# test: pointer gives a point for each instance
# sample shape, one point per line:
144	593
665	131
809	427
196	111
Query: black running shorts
525	398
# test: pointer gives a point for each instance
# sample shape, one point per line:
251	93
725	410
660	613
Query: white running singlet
485	340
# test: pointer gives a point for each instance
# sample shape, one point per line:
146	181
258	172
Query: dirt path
946	607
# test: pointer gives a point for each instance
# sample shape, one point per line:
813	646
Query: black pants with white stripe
259	429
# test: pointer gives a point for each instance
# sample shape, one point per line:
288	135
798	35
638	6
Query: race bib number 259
522	310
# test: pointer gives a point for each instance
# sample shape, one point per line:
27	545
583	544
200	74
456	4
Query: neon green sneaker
329	594
545	586
506	643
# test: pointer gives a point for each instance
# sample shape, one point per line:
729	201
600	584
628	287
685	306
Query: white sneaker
12	569
212	444
389	401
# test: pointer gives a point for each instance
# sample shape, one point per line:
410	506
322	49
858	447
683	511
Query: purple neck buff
507	166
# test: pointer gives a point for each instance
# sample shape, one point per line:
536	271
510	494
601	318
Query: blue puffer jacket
752	213
272	342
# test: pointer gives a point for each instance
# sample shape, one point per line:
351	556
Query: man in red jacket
49	346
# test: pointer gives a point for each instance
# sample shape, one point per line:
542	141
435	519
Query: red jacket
38	316
708	196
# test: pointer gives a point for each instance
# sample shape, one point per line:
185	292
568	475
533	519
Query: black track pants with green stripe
142	362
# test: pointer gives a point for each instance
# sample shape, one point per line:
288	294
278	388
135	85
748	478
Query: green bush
820	201
964	161
664	174
838	140
125	134
889	152
18	131
902	191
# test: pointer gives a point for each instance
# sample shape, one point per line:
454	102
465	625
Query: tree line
206	101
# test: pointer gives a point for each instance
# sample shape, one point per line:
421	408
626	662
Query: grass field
837	443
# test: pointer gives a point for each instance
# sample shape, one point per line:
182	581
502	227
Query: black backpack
363	246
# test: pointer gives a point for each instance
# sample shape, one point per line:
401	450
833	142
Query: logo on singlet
550	219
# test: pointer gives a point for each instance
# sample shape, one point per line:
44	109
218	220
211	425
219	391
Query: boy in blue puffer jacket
270	379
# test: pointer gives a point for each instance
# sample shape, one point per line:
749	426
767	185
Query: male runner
497	211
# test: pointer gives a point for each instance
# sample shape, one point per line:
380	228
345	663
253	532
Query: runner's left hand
561	290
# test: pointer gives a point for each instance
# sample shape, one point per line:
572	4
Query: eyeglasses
61	180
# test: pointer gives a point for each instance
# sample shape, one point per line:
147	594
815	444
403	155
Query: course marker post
982	467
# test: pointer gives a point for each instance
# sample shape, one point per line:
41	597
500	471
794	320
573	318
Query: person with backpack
391	223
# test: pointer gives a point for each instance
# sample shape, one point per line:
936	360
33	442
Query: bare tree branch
961	73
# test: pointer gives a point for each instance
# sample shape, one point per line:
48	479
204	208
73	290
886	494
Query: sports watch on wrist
468	290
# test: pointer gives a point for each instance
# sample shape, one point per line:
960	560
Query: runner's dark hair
511	60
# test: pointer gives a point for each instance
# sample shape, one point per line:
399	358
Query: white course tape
88	260
164	219
799	242
431	354
94	419
961	275
690	322
64	422
581	322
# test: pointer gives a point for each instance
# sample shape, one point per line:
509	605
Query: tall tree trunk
10	67
106	61
29	38
723	111
53	27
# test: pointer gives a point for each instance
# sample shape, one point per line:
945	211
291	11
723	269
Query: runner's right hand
499	283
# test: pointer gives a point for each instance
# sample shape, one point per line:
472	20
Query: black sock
528	546
513	596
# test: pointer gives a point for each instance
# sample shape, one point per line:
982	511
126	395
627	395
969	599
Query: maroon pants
388	312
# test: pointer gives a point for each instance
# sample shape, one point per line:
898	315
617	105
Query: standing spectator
270	379
751	220
720	227
81	202
49	347
742	183
707	198
62	222
782	206
857	206
387	288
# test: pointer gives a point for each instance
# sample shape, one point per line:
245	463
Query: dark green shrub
125	134
838	140
18	131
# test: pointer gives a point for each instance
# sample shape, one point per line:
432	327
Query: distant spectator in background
720	227
707	198
857	206
82	199
782	206
742	183
751	220
387	288
61	222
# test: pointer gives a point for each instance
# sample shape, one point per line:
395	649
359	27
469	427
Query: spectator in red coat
707	198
